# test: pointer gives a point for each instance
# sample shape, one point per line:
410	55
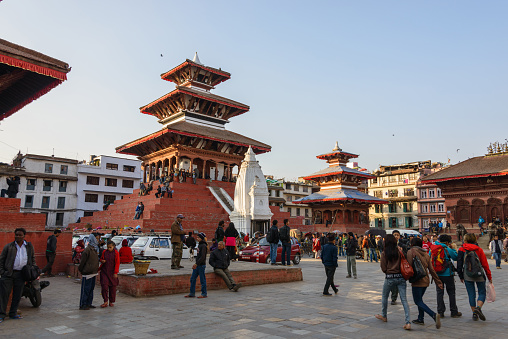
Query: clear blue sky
393	81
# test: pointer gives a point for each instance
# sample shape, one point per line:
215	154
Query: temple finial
196	58
337	148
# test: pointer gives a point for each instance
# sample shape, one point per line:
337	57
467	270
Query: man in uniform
177	237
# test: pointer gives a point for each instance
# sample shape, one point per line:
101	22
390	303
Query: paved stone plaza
288	310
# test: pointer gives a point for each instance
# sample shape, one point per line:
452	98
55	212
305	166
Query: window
30	184
378	208
277	193
425	208
392	208
64	169
164	243
289	211
45	202
306	213
305	189
29	201
111	166
298	212
128	183
288	186
289	198
393	193
409	192
129	168
61	202
432	194
88	213
296	188
439	195
154	243
59	219
432	208
91	197
440	207
423	194
92	180
48	168
110	182
110	198
46	186
378	194
63	186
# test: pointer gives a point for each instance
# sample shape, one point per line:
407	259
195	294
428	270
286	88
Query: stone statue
12	190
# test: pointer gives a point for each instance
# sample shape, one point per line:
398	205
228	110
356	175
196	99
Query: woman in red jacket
466	278
125	253
110	260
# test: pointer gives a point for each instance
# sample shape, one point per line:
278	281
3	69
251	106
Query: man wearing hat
199	268
177	236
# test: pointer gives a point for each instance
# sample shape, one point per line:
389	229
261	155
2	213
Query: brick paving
289	310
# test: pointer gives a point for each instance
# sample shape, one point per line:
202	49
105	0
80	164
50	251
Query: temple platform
168	281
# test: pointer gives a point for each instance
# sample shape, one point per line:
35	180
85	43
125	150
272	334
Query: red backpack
438	258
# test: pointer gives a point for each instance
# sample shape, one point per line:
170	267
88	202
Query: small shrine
339	204
252	211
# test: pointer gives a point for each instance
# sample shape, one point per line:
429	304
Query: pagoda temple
339	205
193	136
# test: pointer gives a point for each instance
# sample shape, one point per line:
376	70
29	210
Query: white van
119	238
155	247
404	232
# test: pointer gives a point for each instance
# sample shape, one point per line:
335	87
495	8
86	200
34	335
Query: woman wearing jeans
390	265
420	286
470	245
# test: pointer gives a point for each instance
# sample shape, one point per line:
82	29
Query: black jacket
231	232
190	242
380	245
372	243
9	255
274	235
202	251
284	234
351	245
219	258
219	233
51	244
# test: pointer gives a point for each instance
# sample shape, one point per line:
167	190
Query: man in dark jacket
273	238
329	258
219	260
219	232
199	268
14	256
88	267
51	252
285	238
351	246
12	189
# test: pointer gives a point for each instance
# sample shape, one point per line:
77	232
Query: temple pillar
203	172
216	170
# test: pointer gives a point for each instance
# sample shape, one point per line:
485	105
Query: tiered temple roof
25	75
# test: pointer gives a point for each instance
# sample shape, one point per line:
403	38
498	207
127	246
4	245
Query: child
125	253
110	260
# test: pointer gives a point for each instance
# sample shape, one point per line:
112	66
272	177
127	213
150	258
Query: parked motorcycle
32	291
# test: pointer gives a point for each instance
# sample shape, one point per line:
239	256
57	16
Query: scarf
92	241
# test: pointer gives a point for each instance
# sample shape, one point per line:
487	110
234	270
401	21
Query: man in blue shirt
329	256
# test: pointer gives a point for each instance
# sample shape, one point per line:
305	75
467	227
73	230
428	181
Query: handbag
30	272
405	269
491	292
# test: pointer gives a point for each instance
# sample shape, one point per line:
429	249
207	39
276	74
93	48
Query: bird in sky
458	149
161	55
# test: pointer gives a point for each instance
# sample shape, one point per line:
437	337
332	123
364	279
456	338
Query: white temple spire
196	58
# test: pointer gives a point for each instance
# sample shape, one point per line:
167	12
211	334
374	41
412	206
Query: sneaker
237	286
442	315
327	294
180	267
91	306
394	302
418	322
355	276
17	316
457	315
475	317
189	296
348	276
84	308
479	312
438	321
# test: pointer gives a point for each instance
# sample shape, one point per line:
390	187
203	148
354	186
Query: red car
252	252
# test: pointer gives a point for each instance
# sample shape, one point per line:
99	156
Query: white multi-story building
48	185
105	178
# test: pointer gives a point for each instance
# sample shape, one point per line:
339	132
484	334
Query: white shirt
21	257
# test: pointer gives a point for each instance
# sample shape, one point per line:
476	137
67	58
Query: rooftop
340	194
338	170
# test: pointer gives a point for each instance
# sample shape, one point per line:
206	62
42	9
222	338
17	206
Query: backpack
438	258
269	236
419	270
472	265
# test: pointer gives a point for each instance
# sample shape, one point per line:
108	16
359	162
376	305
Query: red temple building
475	187
193	136
339	205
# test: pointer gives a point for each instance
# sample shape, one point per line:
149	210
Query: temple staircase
223	198
201	209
